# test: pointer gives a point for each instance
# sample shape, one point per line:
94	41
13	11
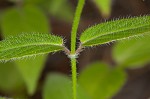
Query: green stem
74	78
75	25
73	45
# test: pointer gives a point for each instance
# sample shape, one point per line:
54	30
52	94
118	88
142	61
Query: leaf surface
58	86
132	53
27	45
115	30
101	82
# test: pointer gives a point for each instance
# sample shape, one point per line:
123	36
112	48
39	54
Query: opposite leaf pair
28	45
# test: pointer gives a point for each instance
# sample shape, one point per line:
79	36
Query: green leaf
100	81
58	86
10	79
26	19
115	30
27	45
132	53
61	9
31	70
104	6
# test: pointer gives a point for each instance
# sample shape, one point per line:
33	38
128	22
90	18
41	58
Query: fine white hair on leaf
28	45
118	29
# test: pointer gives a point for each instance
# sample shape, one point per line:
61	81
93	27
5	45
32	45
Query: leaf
10	79
27	19
101	82
27	45
24	20
115	30
31	70
132	53
61	9
58	86
104	6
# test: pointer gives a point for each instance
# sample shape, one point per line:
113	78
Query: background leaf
100	81
61	9
132	53
60	84
104	6
115	30
10	78
27	19
31	70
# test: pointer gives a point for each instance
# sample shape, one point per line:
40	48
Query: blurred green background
118	70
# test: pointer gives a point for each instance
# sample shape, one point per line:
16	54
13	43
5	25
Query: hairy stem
75	25
74	78
73	45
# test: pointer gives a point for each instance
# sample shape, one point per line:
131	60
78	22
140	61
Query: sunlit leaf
100	81
28	45
115	30
132	53
58	86
104	6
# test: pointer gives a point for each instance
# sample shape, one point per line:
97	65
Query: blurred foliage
133	53
100	81
33	2
2	98
59	86
60	9
10	79
31	71
23	20
104	7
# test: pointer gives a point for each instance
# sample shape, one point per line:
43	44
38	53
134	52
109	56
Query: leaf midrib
34	44
113	32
